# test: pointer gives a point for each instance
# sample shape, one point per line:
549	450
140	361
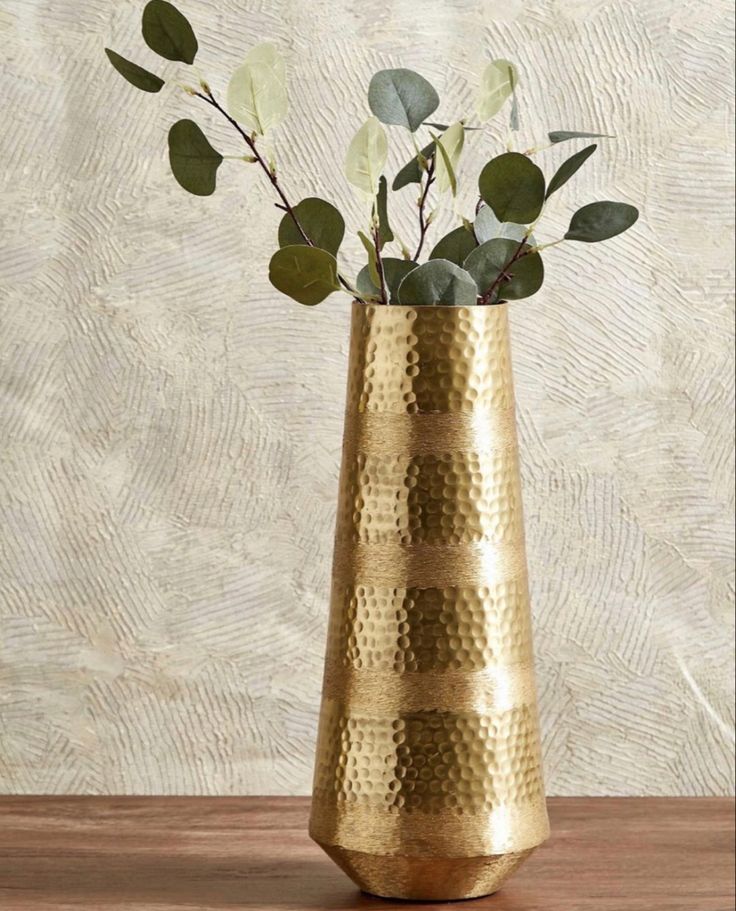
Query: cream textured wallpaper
170	426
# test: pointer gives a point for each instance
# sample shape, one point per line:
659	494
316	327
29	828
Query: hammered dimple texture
429	738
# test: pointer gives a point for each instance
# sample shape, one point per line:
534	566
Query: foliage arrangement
487	259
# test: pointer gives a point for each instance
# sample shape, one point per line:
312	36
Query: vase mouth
447	307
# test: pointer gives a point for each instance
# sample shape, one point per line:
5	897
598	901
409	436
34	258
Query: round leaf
193	160
256	94
402	97
321	221
487	226
450	146
366	157
513	186
168	32
411	172
454	246
494	257
497	83
438	282
564	135
135	74
306	274
568	168
394	270
601	220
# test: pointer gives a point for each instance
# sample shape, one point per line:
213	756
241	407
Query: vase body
428	781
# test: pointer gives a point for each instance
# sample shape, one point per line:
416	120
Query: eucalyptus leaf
385	234
454	246
564	135
514	114
497	83
394	271
256	94
136	75
487	226
370	249
402	97
321	222
411	172
168	32
444	126
601	220
494	257
366	157
438	282
513	186
450	146
568	168
194	162
306	274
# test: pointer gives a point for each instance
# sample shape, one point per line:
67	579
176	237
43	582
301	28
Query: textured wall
170	427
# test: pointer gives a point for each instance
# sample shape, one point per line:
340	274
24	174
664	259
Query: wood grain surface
166	854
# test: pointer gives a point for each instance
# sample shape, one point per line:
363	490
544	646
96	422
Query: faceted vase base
426	878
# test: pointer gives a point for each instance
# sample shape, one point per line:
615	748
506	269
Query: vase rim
448	307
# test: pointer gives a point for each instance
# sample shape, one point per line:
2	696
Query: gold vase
428	780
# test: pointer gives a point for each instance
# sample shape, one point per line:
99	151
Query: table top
219	853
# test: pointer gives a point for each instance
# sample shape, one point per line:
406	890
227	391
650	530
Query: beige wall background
170	426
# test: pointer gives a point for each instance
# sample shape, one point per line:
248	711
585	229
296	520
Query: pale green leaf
450	145
306	274
497	83
256	95
513	186
366	157
168	32
194	162
322	224
370	249
402	97
136	75
438	282
601	220
487	227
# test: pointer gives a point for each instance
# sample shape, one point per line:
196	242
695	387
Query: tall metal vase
428	779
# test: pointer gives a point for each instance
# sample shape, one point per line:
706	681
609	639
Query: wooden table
218	853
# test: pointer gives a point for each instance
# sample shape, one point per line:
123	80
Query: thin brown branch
503	274
379	262
423	221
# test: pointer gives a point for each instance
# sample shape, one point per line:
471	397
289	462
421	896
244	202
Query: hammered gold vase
428	779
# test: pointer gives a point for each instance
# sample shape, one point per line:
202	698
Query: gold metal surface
428	780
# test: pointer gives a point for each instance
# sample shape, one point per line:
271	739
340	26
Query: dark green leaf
601	220
563	135
454	246
513	186
135	74
568	168
438	282
488	261
385	234
411	172
444	126
193	160
402	97
168	32
321	221
394	270
306	274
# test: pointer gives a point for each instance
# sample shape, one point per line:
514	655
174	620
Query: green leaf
256	94
487	226
193	160
497	83
513	186
568	168
438	282
450	146
454	246
321	221
402	97
493	257
411	172
168	32
370	249
135	74
601	220
394	270
385	234
366	157
306	274
564	135
444	126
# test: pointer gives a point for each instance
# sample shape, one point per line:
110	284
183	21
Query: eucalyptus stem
424	222
379	261
503	273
